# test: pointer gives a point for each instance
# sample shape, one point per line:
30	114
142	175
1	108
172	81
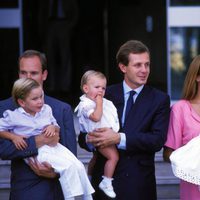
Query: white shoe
107	189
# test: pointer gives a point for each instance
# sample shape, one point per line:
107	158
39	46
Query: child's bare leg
112	156
91	165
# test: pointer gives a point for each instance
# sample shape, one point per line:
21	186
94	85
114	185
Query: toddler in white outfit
95	112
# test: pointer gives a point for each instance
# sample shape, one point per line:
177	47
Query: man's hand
42	169
166	153
103	137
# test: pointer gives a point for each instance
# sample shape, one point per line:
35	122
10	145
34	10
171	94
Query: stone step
4	179
168	192
167	183
4	169
4	194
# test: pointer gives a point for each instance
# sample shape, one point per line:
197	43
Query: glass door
183	41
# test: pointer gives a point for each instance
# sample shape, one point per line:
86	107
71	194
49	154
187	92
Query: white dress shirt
127	89
22	123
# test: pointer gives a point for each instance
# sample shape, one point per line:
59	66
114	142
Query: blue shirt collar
127	89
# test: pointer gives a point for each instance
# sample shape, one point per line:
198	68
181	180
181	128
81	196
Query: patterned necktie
129	103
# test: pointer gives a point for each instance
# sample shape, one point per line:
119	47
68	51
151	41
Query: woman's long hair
190	84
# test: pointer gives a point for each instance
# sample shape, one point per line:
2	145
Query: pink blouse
183	126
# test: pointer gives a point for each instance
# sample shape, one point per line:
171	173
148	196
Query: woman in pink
185	123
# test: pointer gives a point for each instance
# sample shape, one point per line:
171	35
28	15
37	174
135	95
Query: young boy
33	117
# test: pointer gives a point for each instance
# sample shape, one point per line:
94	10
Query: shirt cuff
122	144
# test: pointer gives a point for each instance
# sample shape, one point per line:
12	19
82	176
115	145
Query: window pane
184	46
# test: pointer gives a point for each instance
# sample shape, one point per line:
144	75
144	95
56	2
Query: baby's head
28	94
93	83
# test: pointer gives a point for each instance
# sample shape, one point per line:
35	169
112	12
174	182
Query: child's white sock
106	186
107	180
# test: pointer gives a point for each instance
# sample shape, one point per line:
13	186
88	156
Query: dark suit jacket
25	184
145	129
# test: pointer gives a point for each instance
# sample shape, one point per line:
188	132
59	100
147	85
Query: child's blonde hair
88	74
22	88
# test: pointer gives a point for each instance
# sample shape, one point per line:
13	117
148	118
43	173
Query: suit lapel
116	95
139	110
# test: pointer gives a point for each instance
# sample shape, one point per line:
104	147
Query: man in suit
37	181
142	131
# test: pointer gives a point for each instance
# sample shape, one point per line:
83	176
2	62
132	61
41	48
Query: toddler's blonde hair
22	87
88	74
